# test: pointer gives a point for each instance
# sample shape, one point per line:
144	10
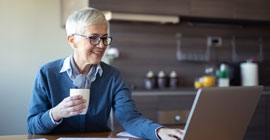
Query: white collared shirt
80	80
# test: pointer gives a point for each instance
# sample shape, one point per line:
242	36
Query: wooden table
108	134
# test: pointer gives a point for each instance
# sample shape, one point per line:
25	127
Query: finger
71	98
73	113
77	107
182	131
169	137
177	133
72	103
75	110
75	97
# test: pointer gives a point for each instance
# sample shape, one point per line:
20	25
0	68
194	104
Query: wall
31	35
152	46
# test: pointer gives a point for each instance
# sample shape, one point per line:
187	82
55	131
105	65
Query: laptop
221	113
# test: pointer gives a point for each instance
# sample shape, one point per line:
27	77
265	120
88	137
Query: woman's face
84	52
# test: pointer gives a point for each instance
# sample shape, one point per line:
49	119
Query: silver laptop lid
221	113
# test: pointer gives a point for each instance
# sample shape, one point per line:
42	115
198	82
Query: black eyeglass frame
99	39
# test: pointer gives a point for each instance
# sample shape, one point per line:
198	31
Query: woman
52	110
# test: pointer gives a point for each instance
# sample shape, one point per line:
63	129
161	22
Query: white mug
85	93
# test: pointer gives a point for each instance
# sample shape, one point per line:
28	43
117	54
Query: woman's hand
70	106
169	134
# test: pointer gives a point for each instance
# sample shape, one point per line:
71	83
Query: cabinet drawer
173	117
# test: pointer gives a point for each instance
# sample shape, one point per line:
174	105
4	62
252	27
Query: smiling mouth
97	52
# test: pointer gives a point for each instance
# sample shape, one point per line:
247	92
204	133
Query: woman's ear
71	41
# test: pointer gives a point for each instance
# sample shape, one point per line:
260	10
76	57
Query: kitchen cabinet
168	7
257	126
252	9
212	8
231	9
167	108
217	9
268	116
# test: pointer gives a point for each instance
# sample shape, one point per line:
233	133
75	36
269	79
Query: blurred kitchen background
187	37
238	29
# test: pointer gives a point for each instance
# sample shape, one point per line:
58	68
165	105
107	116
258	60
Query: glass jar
174	80
150	80
162	80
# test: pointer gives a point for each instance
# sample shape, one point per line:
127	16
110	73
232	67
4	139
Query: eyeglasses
95	40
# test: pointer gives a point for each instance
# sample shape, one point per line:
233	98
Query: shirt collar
67	67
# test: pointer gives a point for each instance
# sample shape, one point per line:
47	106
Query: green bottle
223	76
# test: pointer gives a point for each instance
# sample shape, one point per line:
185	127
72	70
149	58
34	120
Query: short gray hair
79	20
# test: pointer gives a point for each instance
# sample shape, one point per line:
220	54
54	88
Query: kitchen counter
178	91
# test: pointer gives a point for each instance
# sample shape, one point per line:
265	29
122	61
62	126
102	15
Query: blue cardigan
106	92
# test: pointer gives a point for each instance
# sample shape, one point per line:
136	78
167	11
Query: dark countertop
177	91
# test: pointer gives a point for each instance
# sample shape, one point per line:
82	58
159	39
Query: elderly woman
52	110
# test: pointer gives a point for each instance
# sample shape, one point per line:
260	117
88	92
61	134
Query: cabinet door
257	126
170	7
147	105
212	8
252	9
224	9
165	109
268	116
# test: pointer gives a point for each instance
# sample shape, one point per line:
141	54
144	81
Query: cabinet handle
177	118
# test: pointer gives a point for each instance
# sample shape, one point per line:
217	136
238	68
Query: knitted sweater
106	92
